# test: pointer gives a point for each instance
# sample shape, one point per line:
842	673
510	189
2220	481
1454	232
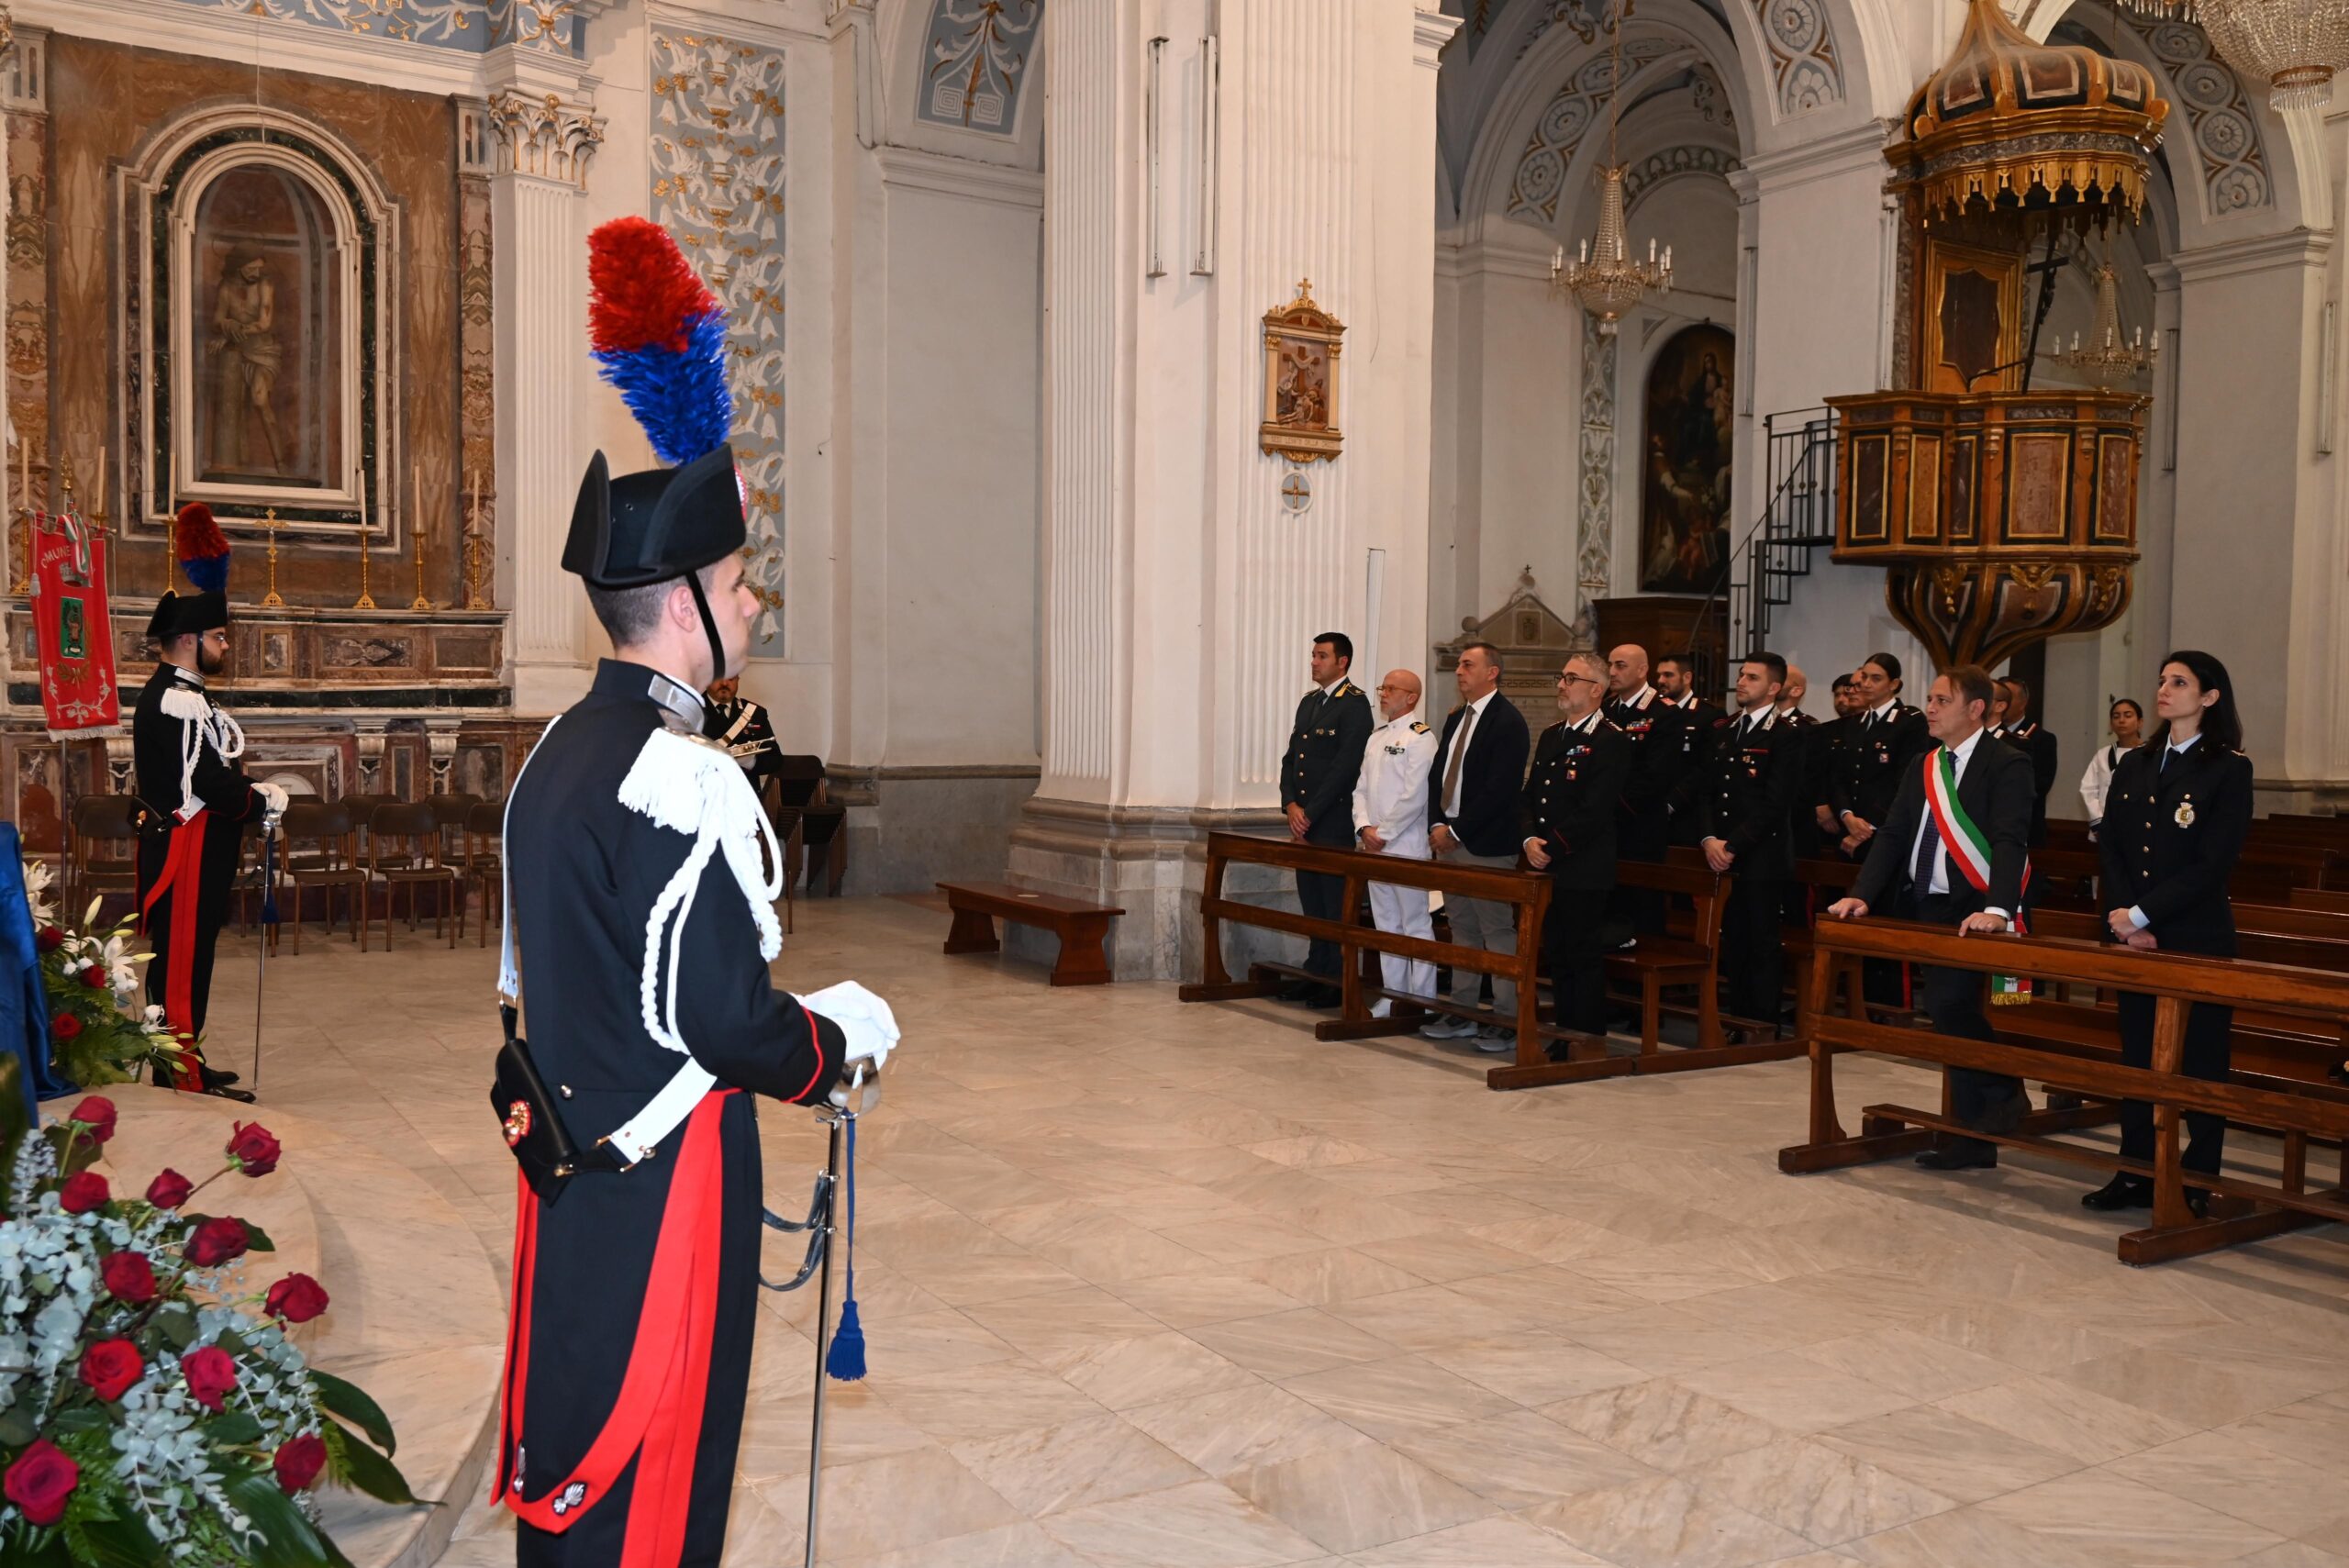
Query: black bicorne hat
654	526
178	614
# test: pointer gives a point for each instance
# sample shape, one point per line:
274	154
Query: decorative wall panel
975	62
1806	67
1578	108
717	186
2219	116
1671	164
474	26
1595	518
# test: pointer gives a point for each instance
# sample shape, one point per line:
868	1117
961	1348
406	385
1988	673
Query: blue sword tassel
845	1360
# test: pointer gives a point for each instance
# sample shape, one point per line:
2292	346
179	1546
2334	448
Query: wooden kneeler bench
1083	928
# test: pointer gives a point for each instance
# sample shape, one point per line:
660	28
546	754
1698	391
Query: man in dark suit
1643	830
1318	778
1912	868
1472	810
1572	797
1676	678
2029	736
1880	749
1743	808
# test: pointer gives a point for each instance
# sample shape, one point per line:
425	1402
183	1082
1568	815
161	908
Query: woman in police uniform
2174	821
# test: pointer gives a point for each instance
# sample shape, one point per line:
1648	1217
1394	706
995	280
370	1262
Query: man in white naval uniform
1391	818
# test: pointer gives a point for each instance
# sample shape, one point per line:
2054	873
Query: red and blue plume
660	337
204	548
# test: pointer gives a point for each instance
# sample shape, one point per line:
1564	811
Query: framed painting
1690	413
1301	344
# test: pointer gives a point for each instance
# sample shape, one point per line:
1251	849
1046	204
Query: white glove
865	1020
274	797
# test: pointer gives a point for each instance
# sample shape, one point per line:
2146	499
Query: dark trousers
1577	958
2210	1048
1638	911
1952	1001
1322	896
1753	957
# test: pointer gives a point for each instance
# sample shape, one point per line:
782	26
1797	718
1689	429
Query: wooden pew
2317	1002
2331	900
1691	957
1083	928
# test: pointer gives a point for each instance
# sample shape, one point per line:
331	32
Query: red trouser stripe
182	872
657	1418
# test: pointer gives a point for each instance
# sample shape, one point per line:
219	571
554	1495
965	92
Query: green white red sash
1969	852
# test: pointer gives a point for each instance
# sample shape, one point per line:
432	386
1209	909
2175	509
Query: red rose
129	1276
211	1373
298	1463
83	1191
49	939
252	1150
94	977
65	1025
297	1298
216	1241
168	1189
110	1367
41	1481
96	1113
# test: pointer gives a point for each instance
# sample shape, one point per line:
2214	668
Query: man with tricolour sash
1955	851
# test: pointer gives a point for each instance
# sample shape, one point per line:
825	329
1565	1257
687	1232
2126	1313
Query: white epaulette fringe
199	722
689	785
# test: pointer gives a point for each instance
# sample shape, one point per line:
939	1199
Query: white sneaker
1382	1009
1497	1042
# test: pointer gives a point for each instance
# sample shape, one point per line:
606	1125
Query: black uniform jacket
2170	840
1492	772
744	723
1747	793
155	734
1994	790
1324	758
2030	739
587	872
1875	761
1823	761
1572	798
1658	733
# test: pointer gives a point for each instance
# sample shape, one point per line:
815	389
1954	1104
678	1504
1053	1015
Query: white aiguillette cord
199	721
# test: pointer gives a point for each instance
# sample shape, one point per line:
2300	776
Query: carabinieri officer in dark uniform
1744	810
2174	821
1573	794
741	726
1318	777
184	750
643	883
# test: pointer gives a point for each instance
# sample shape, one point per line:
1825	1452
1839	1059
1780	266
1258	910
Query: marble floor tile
1240	1427
2111	1519
989	1401
2313	1430
1662	1423
1968	1538
1329	1274
1909	1362
1441	1257
1203	1525
1793	1393
1122	1373
2065	1418
1534	1368
1522	1459
883	1504
2232	1476
1667	1523
1389	1398
2209	1377
1349	1499
1820	1493
1487	1543
1662	1340
1087	1461
1960	1458
1045	1326
1023	1545
1291	1344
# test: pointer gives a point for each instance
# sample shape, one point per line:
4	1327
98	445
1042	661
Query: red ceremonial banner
73	625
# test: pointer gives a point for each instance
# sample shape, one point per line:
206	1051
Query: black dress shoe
216	1077
2198	1202
1966	1156
1297	991
2124	1191
222	1091
1323	996
2007	1115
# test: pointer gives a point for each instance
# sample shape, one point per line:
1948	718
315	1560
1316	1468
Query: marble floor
1150	1285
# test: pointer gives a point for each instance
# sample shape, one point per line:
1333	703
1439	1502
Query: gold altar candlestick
473	546
269	521
367	599
23	525
415	488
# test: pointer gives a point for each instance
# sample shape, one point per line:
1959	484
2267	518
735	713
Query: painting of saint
264	299
1303	398
1685	485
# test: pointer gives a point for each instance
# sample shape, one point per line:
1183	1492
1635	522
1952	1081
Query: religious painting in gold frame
1301	345
1972	326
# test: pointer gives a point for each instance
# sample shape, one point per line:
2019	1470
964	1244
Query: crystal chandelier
1606	280
2105	358
2295	45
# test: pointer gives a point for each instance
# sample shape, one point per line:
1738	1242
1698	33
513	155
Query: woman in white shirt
2128	724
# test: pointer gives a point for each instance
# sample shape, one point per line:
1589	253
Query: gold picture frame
1301	345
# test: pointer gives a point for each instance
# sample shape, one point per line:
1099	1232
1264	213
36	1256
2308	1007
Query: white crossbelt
667	1110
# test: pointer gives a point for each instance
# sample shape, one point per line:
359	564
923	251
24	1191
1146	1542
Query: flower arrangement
97	1032
153	1409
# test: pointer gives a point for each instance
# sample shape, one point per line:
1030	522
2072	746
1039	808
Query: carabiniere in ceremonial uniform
1573	793
1317	774
1747	794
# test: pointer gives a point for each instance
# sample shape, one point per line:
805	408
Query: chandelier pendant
2105	358
1607	281
2295	46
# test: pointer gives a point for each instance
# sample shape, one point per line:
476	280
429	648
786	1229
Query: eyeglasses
1585	680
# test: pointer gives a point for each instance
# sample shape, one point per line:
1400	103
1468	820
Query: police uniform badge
2185	816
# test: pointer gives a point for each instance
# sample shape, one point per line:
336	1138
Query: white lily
38	881
122	971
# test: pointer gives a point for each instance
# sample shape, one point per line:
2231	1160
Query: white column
546	135
1180	599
